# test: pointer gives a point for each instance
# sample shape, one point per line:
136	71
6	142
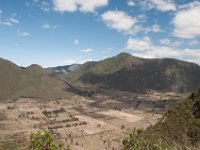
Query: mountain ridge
32	81
128	73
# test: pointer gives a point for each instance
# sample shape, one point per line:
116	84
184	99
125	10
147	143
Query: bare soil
96	123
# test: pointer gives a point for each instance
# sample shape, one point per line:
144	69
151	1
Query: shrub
43	141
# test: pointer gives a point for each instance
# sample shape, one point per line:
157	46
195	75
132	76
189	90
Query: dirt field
82	124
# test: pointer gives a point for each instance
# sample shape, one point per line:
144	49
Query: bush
43	141
136	142
178	129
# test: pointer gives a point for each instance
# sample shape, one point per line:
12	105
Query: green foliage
136	142
43	141
179	129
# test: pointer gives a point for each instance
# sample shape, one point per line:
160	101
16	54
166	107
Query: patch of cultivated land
83	124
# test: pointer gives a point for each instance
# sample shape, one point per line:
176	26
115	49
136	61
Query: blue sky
62	32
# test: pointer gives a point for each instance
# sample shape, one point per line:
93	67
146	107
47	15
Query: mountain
128	73
63	69
33	81
178	129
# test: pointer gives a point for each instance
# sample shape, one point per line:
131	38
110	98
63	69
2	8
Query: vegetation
128	73
178	129
43	141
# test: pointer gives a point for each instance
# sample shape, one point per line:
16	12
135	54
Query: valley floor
96	123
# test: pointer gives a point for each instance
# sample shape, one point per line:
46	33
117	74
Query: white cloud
127	24
86	50
142	18
162	5
76	41
41	4
165	41
187	22
77	60
1	12
65	5
155	28
140	28
136	29
13	20
176	43
169	43
9	22
146	49
193	42
137	44
82	5
45	6
130	3
48	26
118	20
91	5
22	33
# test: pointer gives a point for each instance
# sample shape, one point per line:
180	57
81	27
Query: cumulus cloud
137	44
122	22
118	20
22	33
162	5
187	22
82	5
86	50
146	49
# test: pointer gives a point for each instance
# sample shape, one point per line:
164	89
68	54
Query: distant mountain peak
34	66
124	54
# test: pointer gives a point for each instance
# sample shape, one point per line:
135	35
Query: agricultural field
96	123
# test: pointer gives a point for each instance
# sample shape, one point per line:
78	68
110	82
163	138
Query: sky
63	32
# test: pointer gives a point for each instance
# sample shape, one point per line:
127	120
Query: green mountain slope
128	73
178	129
